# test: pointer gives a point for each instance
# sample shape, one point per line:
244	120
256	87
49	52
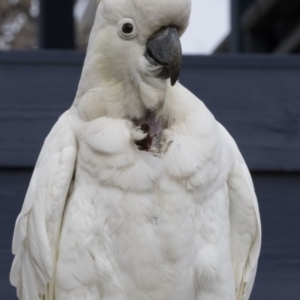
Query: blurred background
258	26
240	57
20	20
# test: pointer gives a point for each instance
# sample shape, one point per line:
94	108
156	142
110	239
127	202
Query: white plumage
104	219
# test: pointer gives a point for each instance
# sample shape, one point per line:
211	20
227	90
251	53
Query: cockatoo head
135	49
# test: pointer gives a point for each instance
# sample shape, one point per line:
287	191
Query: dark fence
255	98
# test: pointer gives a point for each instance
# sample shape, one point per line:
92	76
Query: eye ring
127	29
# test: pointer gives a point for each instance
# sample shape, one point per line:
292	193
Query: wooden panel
34	91
278	274
257	101
255	98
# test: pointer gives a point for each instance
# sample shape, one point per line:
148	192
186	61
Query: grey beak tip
173	81
164	49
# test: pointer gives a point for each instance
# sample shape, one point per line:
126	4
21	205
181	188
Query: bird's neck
116	97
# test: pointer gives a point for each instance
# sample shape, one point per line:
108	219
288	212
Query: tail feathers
28	280
32	267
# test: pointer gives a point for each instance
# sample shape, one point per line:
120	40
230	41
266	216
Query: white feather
38	225
245	224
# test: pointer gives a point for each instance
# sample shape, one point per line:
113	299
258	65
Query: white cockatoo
138	193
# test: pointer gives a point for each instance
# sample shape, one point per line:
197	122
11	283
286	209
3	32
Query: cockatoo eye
127	29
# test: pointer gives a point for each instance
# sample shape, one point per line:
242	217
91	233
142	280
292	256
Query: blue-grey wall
256	98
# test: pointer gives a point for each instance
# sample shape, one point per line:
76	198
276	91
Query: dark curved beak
164	49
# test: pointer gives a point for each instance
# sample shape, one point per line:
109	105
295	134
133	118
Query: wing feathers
244	221
245	230
37	228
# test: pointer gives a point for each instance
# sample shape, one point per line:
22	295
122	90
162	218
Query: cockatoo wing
245	224
37	229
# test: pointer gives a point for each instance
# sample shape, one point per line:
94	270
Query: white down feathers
103	220
162	214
